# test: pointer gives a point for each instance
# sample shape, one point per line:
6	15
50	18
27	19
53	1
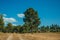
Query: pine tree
31	19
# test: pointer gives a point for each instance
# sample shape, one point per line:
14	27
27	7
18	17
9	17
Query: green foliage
31	19
43	29
9	27
55	28
1	22
52	28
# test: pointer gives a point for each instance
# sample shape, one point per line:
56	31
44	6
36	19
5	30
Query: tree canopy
31	19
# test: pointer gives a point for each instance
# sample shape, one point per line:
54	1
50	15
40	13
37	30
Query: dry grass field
29	36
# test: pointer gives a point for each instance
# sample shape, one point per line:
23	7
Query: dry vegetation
3	36
29	36
41	36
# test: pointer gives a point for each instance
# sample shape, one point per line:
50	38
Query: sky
13	10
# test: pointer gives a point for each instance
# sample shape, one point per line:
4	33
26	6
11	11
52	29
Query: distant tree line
51	28
31	23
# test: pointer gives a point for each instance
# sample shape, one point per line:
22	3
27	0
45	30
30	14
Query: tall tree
1	22
31	19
